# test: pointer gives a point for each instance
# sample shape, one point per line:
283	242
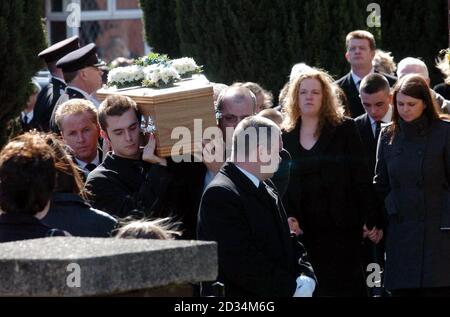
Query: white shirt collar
29	115
85	94
386	119
250	176
356	78
82	164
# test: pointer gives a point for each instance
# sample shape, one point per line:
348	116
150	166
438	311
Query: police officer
50	94
83	75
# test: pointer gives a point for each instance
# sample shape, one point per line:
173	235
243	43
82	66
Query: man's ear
82	74
347	57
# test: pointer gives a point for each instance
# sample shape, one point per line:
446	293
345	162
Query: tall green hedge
160	28
416	28
21	39
260	40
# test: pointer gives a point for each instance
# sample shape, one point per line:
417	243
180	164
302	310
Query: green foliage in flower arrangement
152	59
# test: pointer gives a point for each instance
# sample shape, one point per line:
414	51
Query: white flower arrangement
129	76
153	70
186	67
160	76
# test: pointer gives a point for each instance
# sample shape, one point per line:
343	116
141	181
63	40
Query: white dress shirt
250	176
28	115
385	121
357	79
83	164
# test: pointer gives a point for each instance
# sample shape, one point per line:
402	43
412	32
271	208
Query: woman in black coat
68	208
329	195
412	170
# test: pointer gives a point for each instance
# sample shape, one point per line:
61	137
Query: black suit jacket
348	86
255	249
125	187
46	102
33	124
369	142
183	194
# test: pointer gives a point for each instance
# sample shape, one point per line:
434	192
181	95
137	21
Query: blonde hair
162	229
443	64
331	112
384	62
75	106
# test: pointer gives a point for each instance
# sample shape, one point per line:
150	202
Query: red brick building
114	25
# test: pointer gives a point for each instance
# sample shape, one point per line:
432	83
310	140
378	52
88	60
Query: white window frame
111	13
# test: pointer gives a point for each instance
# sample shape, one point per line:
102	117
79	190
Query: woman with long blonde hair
330	198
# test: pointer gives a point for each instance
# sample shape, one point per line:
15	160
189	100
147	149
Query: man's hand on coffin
148	154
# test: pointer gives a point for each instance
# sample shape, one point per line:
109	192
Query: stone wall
72	266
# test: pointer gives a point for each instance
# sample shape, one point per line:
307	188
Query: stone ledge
107	266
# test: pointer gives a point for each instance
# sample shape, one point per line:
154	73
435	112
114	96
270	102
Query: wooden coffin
174	107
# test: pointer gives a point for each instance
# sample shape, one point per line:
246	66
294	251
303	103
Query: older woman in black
412	176
330	197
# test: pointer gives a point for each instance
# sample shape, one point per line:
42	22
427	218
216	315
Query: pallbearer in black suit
360	53
78	122
50	94
128	181
83	75
242	211
376	99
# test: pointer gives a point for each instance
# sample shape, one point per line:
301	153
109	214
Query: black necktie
358	83
90	167
377	130
25	119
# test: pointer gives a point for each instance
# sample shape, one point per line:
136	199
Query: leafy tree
21	39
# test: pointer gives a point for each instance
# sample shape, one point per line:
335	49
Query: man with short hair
83	75
376	98
78	124
241	211
411	65
360	54
128	182
50	94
